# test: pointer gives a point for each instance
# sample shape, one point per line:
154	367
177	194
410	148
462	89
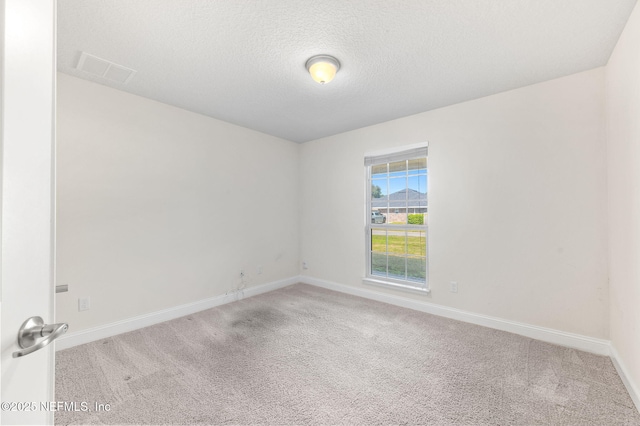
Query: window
396	233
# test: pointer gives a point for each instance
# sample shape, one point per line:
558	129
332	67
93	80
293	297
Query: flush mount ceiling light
323	68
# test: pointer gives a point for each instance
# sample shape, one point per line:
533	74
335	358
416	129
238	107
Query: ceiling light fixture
323	68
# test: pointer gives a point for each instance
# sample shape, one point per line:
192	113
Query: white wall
516	215
517	209
158	206
623	166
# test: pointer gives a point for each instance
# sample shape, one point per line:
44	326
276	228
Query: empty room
328	213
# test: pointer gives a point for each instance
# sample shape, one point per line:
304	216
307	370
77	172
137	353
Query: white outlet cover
84	304
453	286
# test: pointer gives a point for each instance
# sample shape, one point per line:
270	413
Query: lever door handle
33	329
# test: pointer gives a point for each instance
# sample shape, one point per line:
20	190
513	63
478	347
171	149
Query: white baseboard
101	332
623	372
589	344
576	341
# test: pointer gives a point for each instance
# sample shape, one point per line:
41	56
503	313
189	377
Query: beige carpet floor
304	355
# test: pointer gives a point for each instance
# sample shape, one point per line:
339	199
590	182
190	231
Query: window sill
395	286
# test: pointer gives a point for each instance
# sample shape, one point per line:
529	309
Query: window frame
420	151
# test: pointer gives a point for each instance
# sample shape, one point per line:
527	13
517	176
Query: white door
27	135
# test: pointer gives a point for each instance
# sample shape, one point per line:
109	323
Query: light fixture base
322	58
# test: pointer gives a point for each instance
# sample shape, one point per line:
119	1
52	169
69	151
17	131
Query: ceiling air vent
102	68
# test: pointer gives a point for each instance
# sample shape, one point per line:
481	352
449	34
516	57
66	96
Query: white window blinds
395	156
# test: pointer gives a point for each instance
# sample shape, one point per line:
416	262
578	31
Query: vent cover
105	69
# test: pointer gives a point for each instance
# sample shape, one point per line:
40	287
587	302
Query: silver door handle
34	328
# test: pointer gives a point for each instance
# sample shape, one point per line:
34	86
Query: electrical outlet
84	304
453	287
259	269
304	265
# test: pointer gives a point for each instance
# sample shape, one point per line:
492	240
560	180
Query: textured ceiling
242	61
